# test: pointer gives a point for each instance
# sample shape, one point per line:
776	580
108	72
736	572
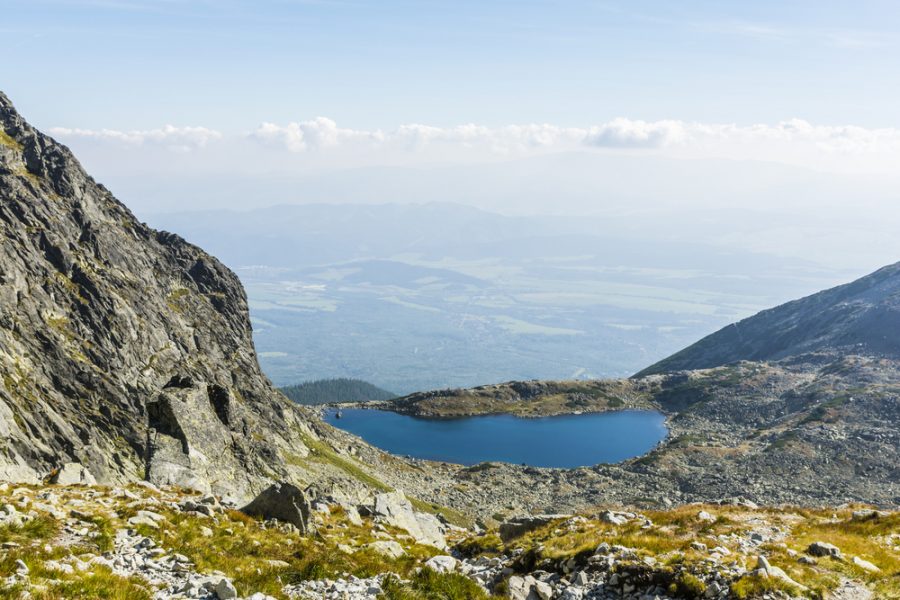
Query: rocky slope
124	349
143	542
126	353
862	317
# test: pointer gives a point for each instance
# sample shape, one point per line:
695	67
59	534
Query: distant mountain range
862	317
400	295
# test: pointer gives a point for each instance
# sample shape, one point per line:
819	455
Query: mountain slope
862	317
122	348
324	391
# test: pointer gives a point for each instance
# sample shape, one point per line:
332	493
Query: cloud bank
796	142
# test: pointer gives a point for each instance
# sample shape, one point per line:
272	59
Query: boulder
72	474
706	517
519	526
282	501
225	590
865	565
608	516
388	548
442	564
764	569
393	508
823	549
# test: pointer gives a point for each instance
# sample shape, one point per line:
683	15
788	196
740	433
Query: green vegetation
325	391
9	141
753	586
429	585
176	298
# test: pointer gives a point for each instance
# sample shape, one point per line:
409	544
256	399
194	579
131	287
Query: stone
282	501
393	508
518	588
21	567
225	590
543	590
518	526
764	568
442	563
865	514
136	521
705	516
608	516
352	515
865	565
387	548
823	549
72	474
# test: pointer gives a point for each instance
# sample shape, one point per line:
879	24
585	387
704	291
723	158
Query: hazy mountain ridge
860	317
399	295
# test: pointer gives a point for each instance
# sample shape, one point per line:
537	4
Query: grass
101	584
260	559
10	142
753	586
321	453
175	299
429	585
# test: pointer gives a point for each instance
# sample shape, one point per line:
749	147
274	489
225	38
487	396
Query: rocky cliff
861	317
124	349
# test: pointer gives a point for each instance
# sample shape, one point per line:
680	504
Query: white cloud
320	132
626	133
169	136
321	142
617	133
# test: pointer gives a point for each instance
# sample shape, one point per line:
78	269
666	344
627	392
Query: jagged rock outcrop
861	317
123	349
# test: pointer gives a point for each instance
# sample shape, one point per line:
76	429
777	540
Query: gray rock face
284	502
123	349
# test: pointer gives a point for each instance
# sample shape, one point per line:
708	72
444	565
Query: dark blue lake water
564	441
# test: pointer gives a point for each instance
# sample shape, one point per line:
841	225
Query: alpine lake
565	441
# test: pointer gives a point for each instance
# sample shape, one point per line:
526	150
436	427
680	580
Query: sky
787	106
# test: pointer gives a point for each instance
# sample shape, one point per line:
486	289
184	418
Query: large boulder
518	526
282	501
72	474
393	508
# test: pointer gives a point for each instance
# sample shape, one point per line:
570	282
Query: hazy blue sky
231	64
769	125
